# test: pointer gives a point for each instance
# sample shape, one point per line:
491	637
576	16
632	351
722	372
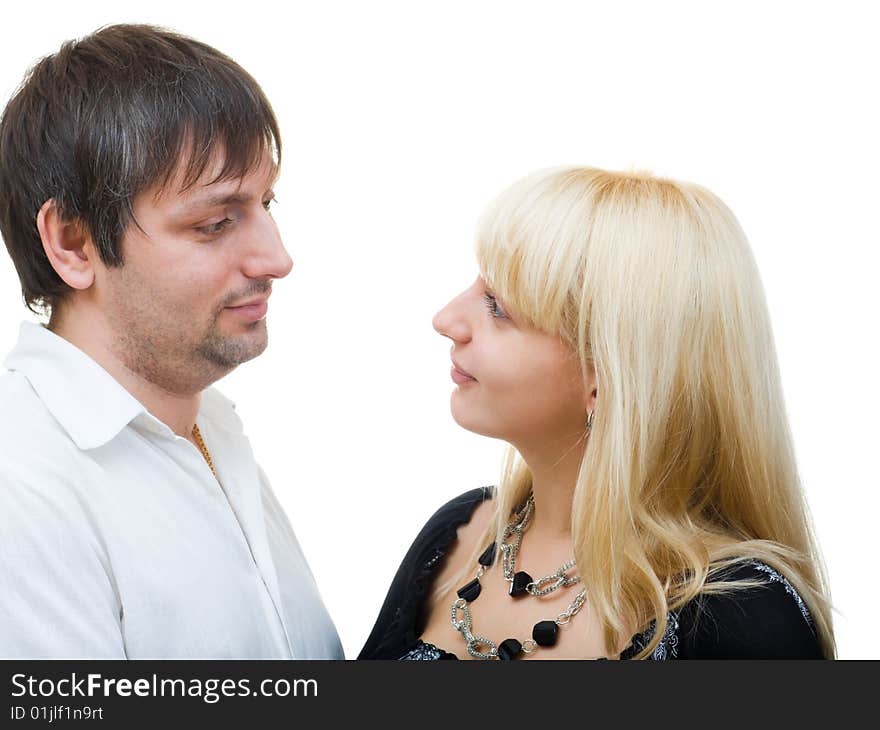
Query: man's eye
214	228
492	306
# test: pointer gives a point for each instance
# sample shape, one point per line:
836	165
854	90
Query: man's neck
176	410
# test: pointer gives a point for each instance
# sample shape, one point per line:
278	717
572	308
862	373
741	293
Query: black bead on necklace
544	633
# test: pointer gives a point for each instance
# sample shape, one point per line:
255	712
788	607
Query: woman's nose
451	322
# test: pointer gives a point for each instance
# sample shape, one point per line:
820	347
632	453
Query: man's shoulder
25	422
36	453
14	391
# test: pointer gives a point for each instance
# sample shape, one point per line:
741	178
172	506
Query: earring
589	420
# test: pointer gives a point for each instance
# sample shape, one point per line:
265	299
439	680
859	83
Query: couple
617	338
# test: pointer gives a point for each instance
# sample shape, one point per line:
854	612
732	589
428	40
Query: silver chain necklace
544	633
522	582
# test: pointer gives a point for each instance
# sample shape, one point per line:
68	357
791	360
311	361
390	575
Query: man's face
189	302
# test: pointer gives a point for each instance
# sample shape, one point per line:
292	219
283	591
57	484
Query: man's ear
68	246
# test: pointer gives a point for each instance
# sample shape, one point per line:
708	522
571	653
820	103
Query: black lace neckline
425	651
408	621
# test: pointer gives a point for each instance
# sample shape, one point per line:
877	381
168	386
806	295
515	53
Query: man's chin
229	351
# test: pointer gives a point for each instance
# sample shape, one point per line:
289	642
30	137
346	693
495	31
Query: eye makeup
492	306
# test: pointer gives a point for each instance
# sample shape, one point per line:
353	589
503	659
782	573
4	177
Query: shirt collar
83	397
220	411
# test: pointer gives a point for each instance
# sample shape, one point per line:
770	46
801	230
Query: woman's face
512	382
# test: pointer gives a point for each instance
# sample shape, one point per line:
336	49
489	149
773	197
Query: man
136	174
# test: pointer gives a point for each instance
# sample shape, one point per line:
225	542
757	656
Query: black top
767	622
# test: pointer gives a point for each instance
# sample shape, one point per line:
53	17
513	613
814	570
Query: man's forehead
213	181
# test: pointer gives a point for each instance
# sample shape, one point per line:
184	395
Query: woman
618	339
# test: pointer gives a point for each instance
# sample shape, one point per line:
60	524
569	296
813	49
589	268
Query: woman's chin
468	422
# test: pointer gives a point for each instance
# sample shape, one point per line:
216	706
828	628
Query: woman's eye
214	228
267	204
492	306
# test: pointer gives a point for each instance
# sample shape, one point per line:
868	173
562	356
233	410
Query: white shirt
116	540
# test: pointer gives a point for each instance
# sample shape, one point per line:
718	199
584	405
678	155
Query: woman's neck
554	470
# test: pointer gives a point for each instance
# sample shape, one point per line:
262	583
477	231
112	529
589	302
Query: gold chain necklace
200	442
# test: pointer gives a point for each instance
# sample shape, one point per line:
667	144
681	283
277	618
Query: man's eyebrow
222	199
218	199
231	197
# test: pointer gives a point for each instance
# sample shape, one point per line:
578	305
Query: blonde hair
689	467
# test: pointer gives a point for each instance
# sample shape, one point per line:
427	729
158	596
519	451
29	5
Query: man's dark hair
106	118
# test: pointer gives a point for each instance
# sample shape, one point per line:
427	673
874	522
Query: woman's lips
460	378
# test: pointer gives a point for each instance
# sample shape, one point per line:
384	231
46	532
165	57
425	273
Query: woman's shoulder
451	519
418	570
775	594
768	620
460	509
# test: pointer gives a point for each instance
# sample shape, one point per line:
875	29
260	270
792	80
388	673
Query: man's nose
269	258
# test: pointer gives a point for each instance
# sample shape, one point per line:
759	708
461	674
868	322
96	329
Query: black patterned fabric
768	622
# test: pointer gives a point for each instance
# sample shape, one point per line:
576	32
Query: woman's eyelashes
492	306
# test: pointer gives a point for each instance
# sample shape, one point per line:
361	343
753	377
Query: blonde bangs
530	250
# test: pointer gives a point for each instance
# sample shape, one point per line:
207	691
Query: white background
402	120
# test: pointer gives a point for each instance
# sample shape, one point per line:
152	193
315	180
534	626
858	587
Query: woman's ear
591	389
68	246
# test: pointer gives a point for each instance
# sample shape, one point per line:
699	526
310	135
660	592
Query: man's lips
252	309
262	299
